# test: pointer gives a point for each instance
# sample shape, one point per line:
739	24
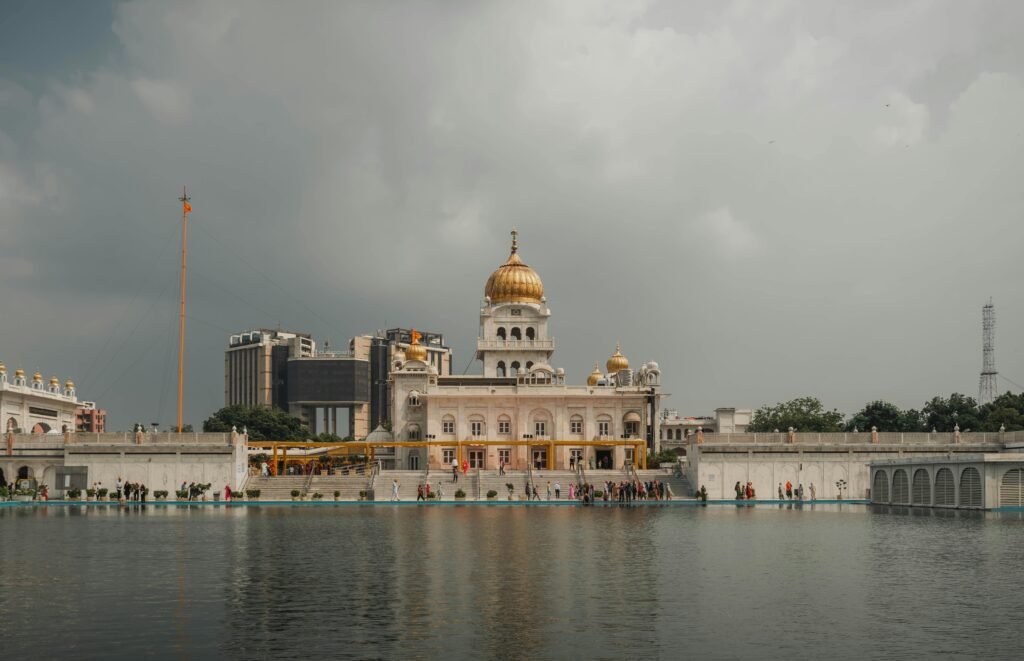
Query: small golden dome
37	377
69	384
54	381
416	351
595	376
514	281
19	373
3	368
617	361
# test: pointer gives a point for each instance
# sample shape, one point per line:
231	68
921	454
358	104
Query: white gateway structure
521	410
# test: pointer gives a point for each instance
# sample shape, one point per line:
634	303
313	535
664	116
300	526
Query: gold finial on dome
54	381
37	377
617	361
19	373
3	368
514	281
595	376
69	384
416	351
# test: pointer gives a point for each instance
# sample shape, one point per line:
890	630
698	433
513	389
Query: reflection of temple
35	407
521	409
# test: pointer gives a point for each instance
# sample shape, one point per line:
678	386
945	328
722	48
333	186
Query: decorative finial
515	241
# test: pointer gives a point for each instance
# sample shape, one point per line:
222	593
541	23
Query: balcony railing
482	344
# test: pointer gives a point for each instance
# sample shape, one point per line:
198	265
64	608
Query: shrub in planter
90	493
295	494
431	496
362	495
317	496
492	494
252	494
460	494
102	493
598	493
160	495
181	495
71	494
337	495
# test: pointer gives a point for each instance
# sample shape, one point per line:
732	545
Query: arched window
945	488
1011	488
900	488
12	423
921	489
477	426
501	332
501	368
517	334
576	425
414	398
970	488
530	333
414	432
880	488
529	365
448	425
41	428
515	368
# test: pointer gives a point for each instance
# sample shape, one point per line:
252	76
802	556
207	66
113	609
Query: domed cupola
415	350
514	281
595	376
617	361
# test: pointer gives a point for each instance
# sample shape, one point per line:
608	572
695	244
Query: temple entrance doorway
540	459
604	459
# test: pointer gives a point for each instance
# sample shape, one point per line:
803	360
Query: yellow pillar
274	458
642	449
551	456
284	460
458	453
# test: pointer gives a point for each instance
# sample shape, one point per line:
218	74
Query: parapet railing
124	438
864	438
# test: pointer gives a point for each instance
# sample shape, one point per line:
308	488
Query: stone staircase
490	480
277	487
408	481
348	485
561	477
681	489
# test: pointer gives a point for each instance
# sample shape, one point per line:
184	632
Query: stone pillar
67	434
700	435
874	434
10	442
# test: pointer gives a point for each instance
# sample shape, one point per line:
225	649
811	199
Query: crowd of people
133	491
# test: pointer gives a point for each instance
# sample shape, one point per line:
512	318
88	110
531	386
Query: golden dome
69	384
37	377
54	381
594	376
3	368
19	373
514	281
617	361
415	350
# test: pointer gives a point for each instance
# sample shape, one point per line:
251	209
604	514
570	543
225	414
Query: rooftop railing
863	438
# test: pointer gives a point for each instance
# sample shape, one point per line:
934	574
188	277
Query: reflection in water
507	582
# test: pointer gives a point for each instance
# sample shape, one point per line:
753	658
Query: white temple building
521	409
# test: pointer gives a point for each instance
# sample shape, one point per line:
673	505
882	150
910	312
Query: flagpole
185	208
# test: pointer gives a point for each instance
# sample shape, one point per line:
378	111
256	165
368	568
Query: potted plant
90	494
70	494
24	495
252	494
317	496
102	494
511	487
362	495
182	494
295	494
432	495
460	494
337	495
598	493
160	495
492	494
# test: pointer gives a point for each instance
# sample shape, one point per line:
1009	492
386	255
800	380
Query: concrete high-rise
255	364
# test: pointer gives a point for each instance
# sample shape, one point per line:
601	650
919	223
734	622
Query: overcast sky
771	199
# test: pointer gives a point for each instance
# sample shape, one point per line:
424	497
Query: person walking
455	471
781	495
394	489
465	467
800	492
558	491
535	496
501	466
419	493
789	490
814	494
549	489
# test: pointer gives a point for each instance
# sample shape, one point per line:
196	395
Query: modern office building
255	364
90	419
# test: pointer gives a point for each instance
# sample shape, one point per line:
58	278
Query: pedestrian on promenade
800	492
789	490
455	471
419	493
501	466
780	491
227	493
572	491
440	490
465	467
120	486
549	489
535	496
558	491
394	489
814	495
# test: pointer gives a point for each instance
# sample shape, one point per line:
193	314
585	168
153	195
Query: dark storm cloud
770	199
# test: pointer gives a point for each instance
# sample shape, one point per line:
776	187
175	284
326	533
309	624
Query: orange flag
415	336
188	208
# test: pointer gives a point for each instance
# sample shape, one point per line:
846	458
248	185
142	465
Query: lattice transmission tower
987	385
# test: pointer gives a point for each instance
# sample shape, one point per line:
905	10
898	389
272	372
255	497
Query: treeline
941	414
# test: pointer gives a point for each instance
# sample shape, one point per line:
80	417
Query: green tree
802	413
942	414
1007	410
263	423
886	417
